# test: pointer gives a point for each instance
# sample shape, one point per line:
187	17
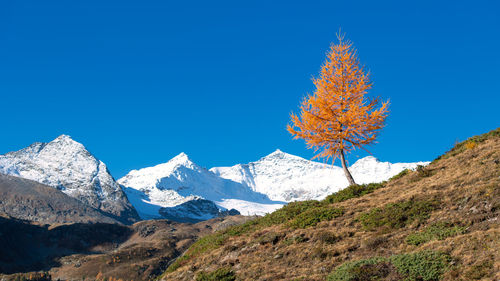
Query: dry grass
466	183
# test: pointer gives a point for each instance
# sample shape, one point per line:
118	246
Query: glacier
180	180
286	177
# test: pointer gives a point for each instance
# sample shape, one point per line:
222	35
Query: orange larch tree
338	117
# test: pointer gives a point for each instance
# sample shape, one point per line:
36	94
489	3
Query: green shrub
280	216
398	215
424	266
352	191
240	229
313	216
358	270
437	231
288	212
221	274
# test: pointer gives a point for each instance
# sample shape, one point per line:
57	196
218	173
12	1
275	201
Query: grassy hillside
439	222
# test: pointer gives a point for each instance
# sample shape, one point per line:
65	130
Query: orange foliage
338	117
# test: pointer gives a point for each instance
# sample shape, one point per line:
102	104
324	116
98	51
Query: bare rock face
67	165
32	201
196	210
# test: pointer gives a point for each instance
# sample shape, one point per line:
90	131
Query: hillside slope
87	251
440	222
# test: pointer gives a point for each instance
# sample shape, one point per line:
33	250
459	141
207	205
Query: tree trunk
346	171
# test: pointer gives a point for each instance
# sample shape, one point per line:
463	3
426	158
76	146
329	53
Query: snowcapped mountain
180	189
67	165
255	188
286	177
179	181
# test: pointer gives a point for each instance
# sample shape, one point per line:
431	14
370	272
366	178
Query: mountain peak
64	137
182	159
280	155
368	159
66	140
277	152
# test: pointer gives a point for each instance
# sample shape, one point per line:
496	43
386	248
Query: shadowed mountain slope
29	200
91	251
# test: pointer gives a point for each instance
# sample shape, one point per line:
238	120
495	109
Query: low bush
352	191
425	266
221	274
398	215
437	231
358	270
280	216
313	216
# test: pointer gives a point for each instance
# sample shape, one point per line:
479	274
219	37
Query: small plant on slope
419	266
352	191
397	215
437	231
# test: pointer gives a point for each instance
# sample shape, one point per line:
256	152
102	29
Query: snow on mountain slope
286	177
66	165
179	181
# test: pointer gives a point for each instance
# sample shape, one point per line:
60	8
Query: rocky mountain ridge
68	166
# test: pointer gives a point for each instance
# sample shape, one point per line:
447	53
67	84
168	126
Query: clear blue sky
138	82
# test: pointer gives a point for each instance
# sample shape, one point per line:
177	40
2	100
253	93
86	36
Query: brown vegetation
438	222
97	251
